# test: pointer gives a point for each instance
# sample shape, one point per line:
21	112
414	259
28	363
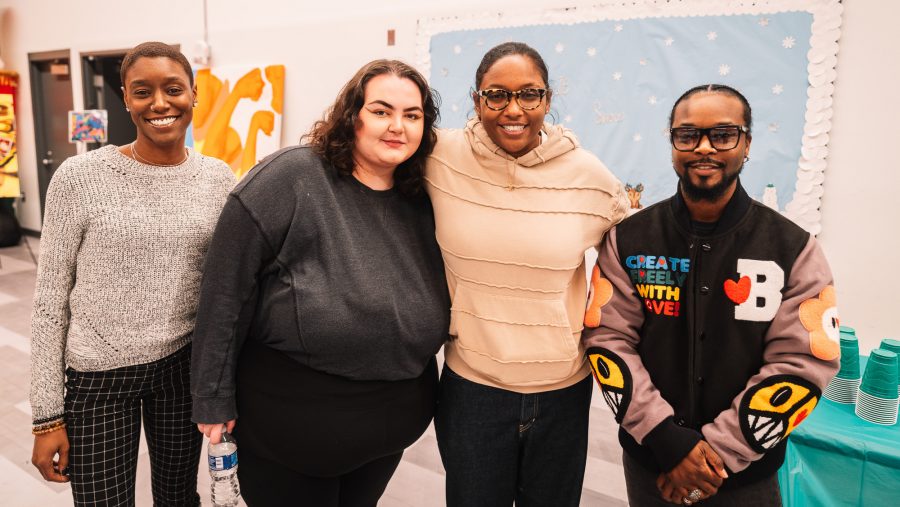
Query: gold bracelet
43	430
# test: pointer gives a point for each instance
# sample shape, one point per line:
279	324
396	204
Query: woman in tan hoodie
517	202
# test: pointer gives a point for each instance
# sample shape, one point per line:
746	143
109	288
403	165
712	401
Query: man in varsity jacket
711	324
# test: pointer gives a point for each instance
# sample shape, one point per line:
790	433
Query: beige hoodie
513	233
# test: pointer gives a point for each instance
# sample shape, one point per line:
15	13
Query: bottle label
219	463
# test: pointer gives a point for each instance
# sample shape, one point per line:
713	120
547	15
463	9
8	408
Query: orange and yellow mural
9	163
234	107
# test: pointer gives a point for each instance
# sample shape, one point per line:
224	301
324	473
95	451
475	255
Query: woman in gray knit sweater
125	233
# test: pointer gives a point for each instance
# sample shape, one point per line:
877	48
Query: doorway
103	90
51	96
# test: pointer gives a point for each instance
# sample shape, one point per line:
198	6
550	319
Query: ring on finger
695	495
686	501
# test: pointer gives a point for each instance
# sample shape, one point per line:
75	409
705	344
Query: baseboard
29	232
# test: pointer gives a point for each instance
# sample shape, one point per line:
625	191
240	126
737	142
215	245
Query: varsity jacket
727	337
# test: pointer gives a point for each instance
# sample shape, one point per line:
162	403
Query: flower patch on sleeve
599	294
819	316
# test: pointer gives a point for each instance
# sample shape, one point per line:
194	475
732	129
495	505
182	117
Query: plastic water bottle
223	465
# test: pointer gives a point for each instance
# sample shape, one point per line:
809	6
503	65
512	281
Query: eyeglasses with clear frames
722	137
497	98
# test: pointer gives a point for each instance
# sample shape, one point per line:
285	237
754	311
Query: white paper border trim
803	208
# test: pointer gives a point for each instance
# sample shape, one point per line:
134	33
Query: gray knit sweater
120	264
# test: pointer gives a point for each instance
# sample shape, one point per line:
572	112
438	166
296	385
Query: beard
709	194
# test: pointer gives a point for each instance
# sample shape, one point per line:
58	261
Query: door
103	90
51	95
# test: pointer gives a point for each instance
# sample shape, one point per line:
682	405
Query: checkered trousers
103	412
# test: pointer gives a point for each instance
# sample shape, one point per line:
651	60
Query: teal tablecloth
835	458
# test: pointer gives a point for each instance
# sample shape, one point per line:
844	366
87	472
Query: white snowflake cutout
457	49
560	47
568	118
777	89
617	76
773	127
712	36
592	52
652	100
763	21
618	27
562	86
724	69
445	71
788	42
643	62
669	41
454	108
637	138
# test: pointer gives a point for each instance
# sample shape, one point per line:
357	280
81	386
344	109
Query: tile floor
419	480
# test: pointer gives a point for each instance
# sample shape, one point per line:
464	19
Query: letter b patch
766	279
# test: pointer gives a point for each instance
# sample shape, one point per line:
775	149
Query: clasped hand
701	469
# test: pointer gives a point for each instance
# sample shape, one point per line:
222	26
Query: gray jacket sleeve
801	356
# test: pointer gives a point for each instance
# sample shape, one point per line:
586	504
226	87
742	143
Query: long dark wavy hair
333	136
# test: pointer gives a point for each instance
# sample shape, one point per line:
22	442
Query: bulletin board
616	69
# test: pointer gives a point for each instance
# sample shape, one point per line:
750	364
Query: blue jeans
499	446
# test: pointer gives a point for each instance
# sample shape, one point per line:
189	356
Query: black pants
309	438
264	483
103	412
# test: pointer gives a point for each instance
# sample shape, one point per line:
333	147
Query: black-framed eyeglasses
498	98
722	137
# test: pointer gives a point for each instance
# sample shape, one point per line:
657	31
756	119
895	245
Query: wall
322	44
860	231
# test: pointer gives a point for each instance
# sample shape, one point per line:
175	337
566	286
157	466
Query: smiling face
390	125
705	173
160	99
514	129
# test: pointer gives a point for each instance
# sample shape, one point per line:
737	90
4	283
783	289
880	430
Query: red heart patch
642	273
738	291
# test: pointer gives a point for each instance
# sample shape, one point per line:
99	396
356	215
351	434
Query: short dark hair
509	49
333	137
716	88
155	50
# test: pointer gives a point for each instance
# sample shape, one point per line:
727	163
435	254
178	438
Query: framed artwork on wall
91	125
238	114
9	158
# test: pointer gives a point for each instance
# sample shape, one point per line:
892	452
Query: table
834	458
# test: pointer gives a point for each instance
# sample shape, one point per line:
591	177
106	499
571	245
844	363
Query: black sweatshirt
342	278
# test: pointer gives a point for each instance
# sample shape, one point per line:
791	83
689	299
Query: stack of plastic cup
844	386
877	399
893	346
